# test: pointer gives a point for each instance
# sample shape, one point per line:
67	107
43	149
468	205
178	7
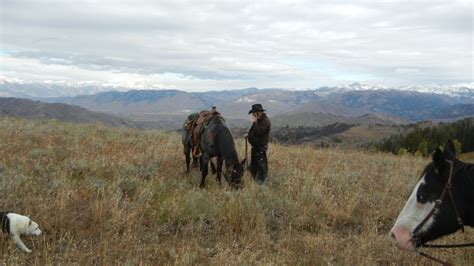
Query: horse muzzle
403	238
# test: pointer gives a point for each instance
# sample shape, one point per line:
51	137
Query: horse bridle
435	210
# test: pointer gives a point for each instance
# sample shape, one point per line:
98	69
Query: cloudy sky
201	45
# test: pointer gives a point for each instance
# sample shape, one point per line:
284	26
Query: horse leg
201	163
213	167
219	169
195	162
187	152
204	171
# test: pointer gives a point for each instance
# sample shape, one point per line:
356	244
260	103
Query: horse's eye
422	195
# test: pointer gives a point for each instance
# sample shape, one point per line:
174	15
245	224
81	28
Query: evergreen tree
426	140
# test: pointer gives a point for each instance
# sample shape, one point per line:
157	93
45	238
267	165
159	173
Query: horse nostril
393	236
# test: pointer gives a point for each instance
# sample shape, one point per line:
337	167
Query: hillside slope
24	108
119	196
309	119
456	111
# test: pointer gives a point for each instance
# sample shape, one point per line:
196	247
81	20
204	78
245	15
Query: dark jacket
259	133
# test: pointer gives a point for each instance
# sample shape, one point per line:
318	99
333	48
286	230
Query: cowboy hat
256	108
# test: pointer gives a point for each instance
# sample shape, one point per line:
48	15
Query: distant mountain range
456	111
14	87
406	105
167	109
18	88
25	108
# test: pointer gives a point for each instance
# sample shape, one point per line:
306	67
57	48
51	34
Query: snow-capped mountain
414	103
14	87
453	90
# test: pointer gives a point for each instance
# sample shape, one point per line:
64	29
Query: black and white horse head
410	229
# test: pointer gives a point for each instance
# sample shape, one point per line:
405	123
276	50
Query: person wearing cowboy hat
258	136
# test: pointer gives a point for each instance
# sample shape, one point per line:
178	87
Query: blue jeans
259	163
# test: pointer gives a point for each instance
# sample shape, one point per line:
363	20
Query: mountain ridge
163	108
25	108
16	87
408	105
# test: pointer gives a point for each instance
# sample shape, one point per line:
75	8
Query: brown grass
468	156
119	196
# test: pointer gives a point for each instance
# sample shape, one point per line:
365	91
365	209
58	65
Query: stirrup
197	152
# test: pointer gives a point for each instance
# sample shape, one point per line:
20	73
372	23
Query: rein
435	210
246	151
434	259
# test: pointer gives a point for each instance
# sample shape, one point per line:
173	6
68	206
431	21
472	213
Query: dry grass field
468	157
120	196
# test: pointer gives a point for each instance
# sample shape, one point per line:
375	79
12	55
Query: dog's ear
29	223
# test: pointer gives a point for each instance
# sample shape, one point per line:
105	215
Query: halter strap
439	201
458	217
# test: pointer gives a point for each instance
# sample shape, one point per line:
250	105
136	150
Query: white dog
16	225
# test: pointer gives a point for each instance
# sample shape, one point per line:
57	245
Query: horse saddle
198	127
188	125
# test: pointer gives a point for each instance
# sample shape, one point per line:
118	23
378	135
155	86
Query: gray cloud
241	43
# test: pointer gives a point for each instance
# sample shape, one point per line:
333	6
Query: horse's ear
449	151
243	161
439	160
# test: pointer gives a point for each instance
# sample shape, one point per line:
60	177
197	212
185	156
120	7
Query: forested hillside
424	140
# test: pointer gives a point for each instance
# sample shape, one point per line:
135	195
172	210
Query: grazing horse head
234	172
442	200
